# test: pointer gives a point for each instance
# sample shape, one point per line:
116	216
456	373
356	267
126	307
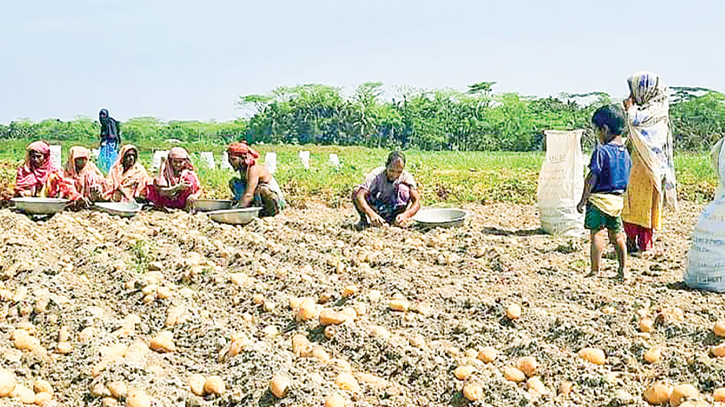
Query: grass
444	178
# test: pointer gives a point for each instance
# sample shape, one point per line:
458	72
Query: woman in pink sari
86	177
177	186
127	179
39	177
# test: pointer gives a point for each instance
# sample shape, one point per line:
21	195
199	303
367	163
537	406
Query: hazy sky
191	60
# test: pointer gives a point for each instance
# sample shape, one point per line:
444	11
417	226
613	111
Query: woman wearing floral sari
177	186
86	177
652	179
127	180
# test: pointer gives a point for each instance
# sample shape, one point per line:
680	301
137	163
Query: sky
192	60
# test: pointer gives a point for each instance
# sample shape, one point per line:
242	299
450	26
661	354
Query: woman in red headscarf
177	186
255	184
40	177
86	177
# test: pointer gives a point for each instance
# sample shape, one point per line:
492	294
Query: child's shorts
595	220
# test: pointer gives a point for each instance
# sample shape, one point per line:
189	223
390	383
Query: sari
652	181
169	178
30	180
88	178
133	181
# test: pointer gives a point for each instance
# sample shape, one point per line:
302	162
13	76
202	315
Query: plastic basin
444	217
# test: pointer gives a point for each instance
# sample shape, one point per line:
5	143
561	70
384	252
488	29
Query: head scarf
649	129
136	175
243	150
108	124
28	175
171	179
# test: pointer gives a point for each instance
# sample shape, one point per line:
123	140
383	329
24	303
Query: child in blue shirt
603	188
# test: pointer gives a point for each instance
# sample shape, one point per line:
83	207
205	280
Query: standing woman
652	179
110	141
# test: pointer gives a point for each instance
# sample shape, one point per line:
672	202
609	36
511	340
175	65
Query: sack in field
305	158
270	161
207	157
56	157
225	162
561	182
706	260
156	161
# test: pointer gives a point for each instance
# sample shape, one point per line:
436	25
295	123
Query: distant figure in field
85	176
255	185
110	141
652	181
127	180
177	186
388	195
604	186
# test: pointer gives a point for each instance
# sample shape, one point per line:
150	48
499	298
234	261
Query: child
604	186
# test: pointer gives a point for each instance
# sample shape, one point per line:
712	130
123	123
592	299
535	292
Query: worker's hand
376	219
190	204
402	220
183	186
581	206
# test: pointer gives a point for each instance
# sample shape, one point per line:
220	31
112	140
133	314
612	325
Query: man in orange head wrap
255	184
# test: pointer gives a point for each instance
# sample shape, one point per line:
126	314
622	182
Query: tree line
438	119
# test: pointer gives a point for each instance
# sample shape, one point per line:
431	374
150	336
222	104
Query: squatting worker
388	195
255	185
177	185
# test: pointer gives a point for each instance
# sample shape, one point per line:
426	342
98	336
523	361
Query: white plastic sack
335	160
706	260
270	161
156	161
305	158
95	153
56	157
207	157
561	182
225	162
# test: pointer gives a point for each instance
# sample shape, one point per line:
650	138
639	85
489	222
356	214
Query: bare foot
362	225
623	276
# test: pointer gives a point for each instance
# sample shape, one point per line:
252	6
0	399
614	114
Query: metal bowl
122	209
444	217
235	216
207	205
40	206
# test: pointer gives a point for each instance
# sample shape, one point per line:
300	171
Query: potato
330	317
658	393
163	343
487	354
109	402
301	346
320	354
653	354
118	349
719	394
118	389
360	308
7	382
340	365
307	310
683	392
349	313
330	331
718	351
565	387
417	341
214	385
719	328
63	348
513	374
100	390
346	381
400	305
372	380
63	334
379	332
196	384
26	395
334	400
258	299
42	386
472	391
137	398
593	355
528	365
325	297
349	291
41	398
295	302
374	295
279	385
513	312
646	325
423	308
463	372
86	334
537	386
164	293
25	341
174	315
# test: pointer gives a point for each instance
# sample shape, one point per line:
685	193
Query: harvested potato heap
173	309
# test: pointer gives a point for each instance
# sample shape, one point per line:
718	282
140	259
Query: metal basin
122	209
443	217
40	206
207	205
234	216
